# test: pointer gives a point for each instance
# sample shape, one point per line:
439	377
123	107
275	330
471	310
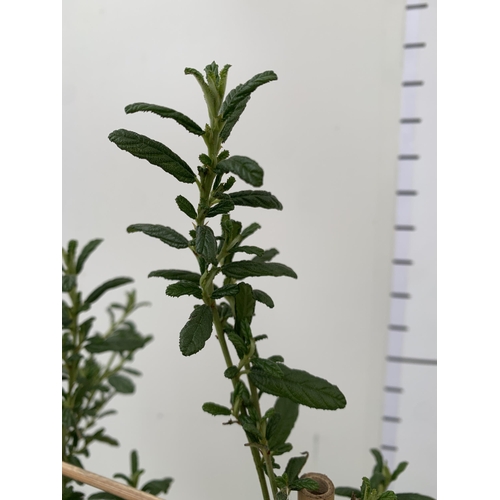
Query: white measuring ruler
409	419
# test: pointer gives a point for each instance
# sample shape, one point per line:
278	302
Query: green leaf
249	230
377	479
185	206
196	331
294	466
239	345
347	491
223	207
262	297
206	244
225	291
175	274
181	119
215	409
87	250
233	118
245	168
108	285
157	486
379	459
388	495
134	461
242	92
244	303
68	282
163	233
267	255
184	288
260	337
399	469
413	496
231	372
100	436
246	268
121	340
252	250
282	422
268	366
256	198
122	384
154	152
301	387
307	483
282	448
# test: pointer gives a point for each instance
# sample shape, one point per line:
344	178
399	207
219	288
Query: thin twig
103	483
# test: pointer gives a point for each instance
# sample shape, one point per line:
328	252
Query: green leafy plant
376	488
89	385
229	305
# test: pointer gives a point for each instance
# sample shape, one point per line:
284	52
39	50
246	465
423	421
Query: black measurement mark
397	390
402	262
417	45
406	192
389	447
400	295
404	227
398	328
408	157
387	418
406	121
413	6
413	361
413	83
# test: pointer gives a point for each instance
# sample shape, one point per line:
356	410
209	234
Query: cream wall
326	134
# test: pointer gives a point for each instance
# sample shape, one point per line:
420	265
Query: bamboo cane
103	483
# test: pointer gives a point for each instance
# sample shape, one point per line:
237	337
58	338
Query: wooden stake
103	483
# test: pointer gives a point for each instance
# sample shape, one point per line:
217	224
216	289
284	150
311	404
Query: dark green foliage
175	274
184	288
154	152
215	409
88	385
181	119
185	206
225	291
196	331
224	207
246	268
206	244
301	387
263	297
282	422
165	234
257	198
245	168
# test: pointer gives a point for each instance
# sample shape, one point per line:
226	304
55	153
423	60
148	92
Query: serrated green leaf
282	449
260	337
184	288
282	422
163	233
196	331
239	345
108	285
242	92
164	112
121	384
231	372
244	303
206	244
68	282
120	341
248	231
268	366
256	198
294	466
223	207
301	387
266	256
175	274
233	119
247	268
157	486
263	297
399	469
347	491
225	291
306	483
245	168
215	409
85	253
185	206
154	152
248	249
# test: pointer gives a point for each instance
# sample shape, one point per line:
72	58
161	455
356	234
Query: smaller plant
376	488
88	386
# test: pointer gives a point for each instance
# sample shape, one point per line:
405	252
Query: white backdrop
326	134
